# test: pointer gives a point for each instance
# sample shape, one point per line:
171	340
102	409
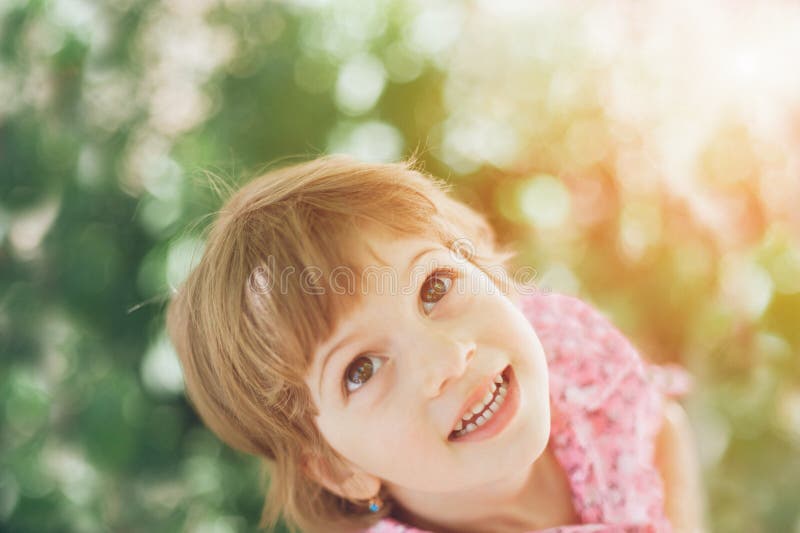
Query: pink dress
606	410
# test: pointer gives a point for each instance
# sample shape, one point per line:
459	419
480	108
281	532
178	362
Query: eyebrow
348	338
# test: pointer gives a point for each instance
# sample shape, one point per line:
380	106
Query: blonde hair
245	348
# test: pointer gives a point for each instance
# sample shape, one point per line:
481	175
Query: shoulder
679	466
611	401
583	346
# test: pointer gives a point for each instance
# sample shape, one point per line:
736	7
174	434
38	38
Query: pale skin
677	461
392	380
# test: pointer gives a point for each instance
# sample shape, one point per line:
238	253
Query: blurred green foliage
112	114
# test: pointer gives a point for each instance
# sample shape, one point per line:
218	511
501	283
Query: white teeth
481	420
483	408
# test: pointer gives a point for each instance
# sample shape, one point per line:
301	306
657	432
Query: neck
534	499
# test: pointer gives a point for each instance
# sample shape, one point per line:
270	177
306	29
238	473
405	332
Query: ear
355	485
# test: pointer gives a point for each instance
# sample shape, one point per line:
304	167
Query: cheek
397	451
367	438
350	434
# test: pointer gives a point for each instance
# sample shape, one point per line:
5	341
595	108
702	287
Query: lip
477	394
501	418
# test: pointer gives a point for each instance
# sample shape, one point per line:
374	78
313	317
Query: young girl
356	327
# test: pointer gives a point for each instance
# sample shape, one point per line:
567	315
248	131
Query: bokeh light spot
360	84
435	28
161	370
29	228
745	286
560	278
27	403
402	64
545	201
370	141
182	257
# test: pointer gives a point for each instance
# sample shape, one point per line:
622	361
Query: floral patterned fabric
606	409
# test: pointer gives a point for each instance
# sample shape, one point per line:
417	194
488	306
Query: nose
444	361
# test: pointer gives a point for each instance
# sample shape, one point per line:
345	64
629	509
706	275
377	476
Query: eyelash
445	273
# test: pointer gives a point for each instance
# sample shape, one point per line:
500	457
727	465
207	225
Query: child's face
431	346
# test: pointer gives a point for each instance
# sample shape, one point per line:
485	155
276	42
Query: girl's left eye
435	287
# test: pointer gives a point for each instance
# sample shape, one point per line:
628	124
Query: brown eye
359	371
435	288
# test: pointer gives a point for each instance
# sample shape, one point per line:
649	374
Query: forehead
381	260
382	248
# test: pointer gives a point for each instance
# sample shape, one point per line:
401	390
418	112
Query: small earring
375	504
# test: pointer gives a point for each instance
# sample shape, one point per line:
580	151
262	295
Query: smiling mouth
485	409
